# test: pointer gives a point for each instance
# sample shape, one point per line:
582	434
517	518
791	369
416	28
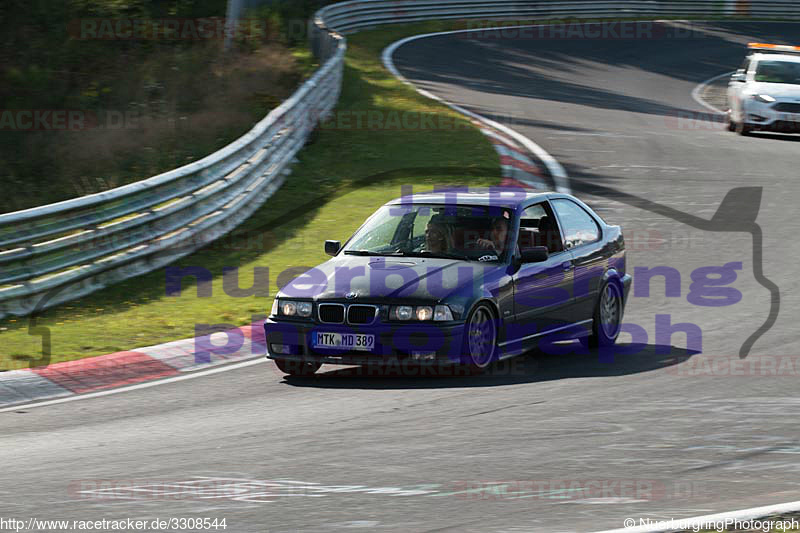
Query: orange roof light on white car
781	48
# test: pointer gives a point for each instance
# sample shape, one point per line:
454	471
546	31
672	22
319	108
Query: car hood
374	279
776	90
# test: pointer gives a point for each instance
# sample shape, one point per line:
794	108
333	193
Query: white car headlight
304	309
288	308
424	312
442	313
292	308
765	98
402	312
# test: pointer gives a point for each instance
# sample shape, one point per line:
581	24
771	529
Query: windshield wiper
367	252
442	255
438	255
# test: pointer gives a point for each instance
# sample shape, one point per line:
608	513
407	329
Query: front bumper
394	343
778	126
764	117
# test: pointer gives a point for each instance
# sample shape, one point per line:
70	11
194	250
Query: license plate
344	341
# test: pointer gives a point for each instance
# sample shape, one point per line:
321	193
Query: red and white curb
515	163
121	369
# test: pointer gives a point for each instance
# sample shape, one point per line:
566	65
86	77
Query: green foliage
291	17
191	97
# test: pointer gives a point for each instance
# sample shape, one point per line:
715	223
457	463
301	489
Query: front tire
743	129
607	319
731	123
297	368
480	342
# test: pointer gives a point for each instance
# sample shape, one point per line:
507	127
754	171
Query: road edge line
700	87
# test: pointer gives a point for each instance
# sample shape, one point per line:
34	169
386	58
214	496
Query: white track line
553	167
698	91
704	521
146	385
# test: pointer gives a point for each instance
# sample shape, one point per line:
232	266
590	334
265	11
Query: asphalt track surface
339	452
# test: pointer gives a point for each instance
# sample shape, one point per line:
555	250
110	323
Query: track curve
407	454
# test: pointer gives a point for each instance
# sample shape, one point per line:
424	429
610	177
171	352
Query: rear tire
297	368
607	319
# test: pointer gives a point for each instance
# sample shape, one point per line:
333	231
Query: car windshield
778	72
472	233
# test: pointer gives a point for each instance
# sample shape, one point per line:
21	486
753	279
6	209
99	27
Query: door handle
567	266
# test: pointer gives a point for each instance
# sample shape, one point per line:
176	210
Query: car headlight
402	312
442	313
304	309
288	308
422	313
764	98
292	308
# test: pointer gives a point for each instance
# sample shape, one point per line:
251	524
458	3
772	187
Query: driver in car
499	236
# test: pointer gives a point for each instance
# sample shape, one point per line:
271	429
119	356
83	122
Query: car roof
791	58
509	197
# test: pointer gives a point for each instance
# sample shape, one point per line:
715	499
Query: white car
764	94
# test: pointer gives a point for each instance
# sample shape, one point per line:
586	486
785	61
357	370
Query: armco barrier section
59	252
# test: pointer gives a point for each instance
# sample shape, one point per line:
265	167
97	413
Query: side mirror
535	254
739	76
332	247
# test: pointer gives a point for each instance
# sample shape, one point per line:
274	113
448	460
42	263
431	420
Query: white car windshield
477	233
771	71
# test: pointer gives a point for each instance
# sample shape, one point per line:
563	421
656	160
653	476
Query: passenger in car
438	237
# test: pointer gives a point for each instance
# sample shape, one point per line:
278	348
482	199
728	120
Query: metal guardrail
347	17
60	252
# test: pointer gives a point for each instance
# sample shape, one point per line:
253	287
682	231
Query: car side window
538	227
745	65
531	215
420	225
578	225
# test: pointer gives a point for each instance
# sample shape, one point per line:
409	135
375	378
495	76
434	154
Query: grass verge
355	162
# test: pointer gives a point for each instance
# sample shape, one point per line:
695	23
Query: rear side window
538	227
579	227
